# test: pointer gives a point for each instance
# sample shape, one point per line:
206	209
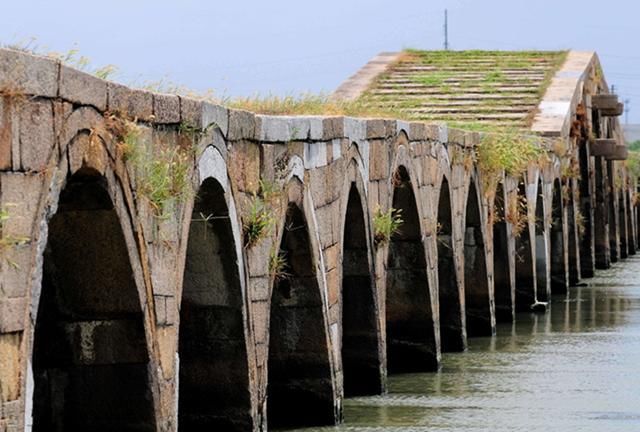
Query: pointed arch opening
90	359
214	377
476	285
543	290
559	280
411	345
503	292
525	279
452	329
300	389
361	361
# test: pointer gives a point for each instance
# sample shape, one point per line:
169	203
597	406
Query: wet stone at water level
571	369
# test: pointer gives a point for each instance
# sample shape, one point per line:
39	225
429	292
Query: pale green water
577	368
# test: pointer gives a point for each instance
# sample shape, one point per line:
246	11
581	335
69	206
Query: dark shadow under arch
586	240
624	228
525	283
476	285
214	377
573	236
411	343
300	391
361	361
452	331
542	280
501	273
90	357
559	281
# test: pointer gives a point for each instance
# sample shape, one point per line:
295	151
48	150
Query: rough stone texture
309	167
166	108
130	102
32	75
82	89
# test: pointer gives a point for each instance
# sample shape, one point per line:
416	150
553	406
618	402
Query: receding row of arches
90	357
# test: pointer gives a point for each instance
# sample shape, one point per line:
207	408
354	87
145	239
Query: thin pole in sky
446	30
627	108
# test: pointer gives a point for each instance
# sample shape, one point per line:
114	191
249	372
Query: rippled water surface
577	368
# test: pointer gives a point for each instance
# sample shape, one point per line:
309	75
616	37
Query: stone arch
476	287
361	357
541	270
452	324
214	388
525	276
410	337
558	256
503	292
90	359
300	376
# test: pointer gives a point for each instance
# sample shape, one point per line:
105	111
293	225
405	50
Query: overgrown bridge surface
172	264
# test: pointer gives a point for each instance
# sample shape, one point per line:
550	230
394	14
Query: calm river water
577	368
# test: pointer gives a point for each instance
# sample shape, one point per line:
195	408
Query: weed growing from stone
278	265
258	222
633	164
385	224
507	151
161	172
516	213
7	241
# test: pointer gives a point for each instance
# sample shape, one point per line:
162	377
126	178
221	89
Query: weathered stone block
215	114
378	160
32	75
355	129
37	137
332	127
376	128
9	126
10	345
15	263
130	102
242	125
12	314
331	256
166	108
333	286
244	166
260	320
258	258
191	111
83	89
259	287
20	195
325	229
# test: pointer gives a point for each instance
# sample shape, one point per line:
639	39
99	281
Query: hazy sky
286	46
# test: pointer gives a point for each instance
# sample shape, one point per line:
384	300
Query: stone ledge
130	102
82	88
33	75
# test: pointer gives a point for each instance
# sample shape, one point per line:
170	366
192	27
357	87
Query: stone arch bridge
257	291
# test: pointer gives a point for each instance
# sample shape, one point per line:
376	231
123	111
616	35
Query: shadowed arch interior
501	273
214	377
525	284
476	285
360	344
300	391
607	235
559	282
573	236
90	355
452	331
586	240
411	343
624	229
542	287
